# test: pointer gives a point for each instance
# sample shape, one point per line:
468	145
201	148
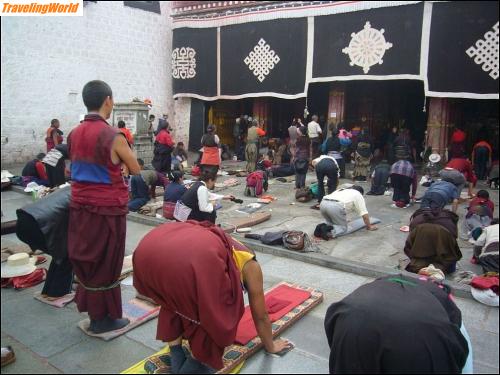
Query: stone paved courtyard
47	340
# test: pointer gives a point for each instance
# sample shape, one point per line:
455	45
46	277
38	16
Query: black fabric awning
194	62
376	42
264	58
452	47
463	49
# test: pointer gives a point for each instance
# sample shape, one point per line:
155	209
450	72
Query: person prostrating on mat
197	274
335	206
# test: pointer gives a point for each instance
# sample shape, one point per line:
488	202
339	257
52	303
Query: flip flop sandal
281	353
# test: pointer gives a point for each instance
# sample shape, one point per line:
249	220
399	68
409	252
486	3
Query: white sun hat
18	265
435	158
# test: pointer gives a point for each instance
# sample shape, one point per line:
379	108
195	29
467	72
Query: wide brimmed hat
18	265
435	158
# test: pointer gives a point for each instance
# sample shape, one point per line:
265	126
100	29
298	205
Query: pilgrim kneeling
199	285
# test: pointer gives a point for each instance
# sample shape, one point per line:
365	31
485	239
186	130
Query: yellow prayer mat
138	368
235	355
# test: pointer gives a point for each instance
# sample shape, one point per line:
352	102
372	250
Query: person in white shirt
314	131
335	206
486	248
197	198
326	166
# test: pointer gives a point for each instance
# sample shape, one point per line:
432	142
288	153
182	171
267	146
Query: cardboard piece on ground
137	311
234	355
59	302
247	221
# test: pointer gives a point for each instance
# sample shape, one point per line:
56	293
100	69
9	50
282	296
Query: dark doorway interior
479	119
380	105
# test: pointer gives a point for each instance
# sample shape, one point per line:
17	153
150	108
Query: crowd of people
199	283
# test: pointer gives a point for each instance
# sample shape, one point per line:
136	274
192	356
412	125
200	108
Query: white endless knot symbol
183	63
485	52
367	47
261	60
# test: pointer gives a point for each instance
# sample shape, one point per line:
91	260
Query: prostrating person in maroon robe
98	209
195	272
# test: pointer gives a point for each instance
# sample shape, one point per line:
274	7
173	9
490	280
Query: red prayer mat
279	301
235	354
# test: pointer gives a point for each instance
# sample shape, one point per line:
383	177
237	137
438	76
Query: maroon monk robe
188	269
97	219
97	238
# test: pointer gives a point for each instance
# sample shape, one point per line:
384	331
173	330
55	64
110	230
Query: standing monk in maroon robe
98	209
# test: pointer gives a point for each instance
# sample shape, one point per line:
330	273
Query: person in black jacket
43	225
374	330
197	198
55	164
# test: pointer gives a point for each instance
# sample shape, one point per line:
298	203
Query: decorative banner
194	62
264	59
376	42
463	50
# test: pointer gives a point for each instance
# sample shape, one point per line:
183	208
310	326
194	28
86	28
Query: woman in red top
126	132
210	143
162	159
54	135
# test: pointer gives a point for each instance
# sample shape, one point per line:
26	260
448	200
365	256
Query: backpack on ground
303	195
255	184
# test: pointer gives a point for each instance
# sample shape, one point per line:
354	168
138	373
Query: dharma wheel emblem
367	47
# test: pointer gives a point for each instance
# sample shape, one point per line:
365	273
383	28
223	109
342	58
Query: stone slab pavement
47	340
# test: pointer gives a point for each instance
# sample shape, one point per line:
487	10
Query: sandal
315	207
8	356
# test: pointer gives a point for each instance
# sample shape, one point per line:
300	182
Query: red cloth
27	281
96	247
40	169
188	269
485	282
458	136
267	163
463	166
168	210
96	180
165	138
279	302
